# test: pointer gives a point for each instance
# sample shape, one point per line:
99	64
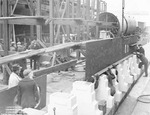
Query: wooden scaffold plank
59	67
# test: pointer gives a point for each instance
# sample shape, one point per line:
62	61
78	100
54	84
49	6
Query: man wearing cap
13	46
140	49
144	61
14	76
27	94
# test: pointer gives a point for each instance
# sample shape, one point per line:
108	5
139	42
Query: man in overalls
144	61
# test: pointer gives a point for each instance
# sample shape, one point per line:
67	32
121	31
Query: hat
12	42
18	43
15	67
140	45
26	72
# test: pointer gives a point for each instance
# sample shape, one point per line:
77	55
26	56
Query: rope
144	100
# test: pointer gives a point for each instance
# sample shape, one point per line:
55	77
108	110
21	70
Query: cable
142	100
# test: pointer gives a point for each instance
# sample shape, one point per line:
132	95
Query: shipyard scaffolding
51	22
71	32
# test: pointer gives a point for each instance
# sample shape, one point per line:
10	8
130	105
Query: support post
123	5
78	27
51	26
5	38
1	36
87	16
38	13
97	19
68	16
31	13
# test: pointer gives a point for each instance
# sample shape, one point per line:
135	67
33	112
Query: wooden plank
62	46
5	28
24	20
97	19
5	37
40	20
87	9
21	55
31	4
27	21
51	25
23	2
54	58
1	36
73	9
92	8
8	69
22	17
62	16
78	27
68	16
59	67
87	17
29	53
84	9
41	43
38	13
12	12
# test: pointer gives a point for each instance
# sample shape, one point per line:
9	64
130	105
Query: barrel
115	26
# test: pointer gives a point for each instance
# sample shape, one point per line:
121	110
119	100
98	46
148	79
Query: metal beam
59	67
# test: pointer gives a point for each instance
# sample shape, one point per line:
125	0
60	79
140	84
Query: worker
20	47
144	61
110	77
34	59
28	91
140	49
13	46
14	76
21	62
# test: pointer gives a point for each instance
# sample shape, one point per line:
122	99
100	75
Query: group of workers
142	60
28	92
19	47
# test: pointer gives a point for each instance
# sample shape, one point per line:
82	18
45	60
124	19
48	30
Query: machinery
129	25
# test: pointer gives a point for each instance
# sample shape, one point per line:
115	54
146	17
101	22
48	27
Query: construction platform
62	82
130	105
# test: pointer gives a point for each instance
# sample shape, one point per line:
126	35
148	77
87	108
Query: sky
139	9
